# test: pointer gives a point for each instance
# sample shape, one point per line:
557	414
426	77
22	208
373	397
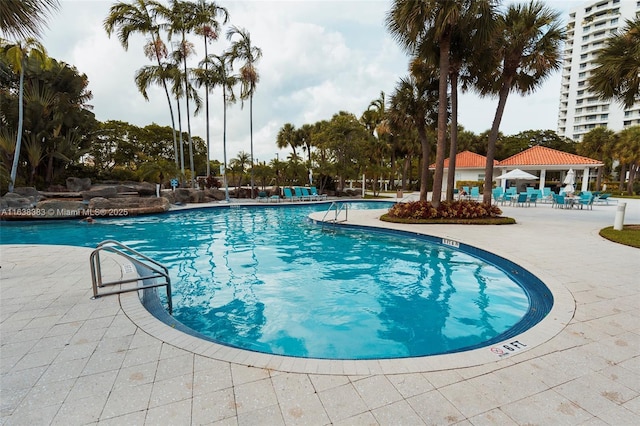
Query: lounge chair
262	197
533	198
307	194
315	193
298	193
602	199
475	193
288	195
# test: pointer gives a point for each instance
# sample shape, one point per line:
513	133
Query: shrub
462	209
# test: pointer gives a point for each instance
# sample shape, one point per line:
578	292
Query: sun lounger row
301	193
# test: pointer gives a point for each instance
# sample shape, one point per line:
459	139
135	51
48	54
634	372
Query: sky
319	57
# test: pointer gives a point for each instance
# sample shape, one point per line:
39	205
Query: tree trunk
424	170
181	140
251	137
186	98
623	172
453	150
441	146
633	169
166	92
493	138
224	140
405	171
16	152
206	103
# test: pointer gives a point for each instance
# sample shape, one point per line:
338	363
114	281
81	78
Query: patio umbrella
569	180
517	174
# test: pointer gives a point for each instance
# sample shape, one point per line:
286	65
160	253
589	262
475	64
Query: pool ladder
151	272
337	207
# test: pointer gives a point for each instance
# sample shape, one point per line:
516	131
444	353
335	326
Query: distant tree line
48	131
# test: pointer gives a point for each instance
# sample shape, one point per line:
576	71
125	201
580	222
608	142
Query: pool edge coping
557	319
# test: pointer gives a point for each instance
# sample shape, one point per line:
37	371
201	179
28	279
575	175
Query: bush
462	209
209	182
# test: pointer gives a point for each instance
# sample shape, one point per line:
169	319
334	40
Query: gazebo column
543	176
585	180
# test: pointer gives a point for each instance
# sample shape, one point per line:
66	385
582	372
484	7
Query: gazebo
537	160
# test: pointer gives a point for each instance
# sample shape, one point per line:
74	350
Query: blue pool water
268	279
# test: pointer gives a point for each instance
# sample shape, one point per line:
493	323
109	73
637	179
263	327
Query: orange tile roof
467	159
543	156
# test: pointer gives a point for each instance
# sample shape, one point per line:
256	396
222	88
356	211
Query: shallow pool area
269	280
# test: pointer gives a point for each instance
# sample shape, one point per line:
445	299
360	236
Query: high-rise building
588	28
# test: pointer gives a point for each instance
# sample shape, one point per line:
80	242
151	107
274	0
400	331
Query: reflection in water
266	279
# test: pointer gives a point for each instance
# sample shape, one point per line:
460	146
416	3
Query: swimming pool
269	280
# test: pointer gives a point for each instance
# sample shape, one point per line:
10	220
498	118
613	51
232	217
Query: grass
482	221
629	236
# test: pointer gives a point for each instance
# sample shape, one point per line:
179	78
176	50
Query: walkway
69	360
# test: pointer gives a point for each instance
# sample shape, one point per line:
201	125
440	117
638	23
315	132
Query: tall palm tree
17	54
25	18
217	72
160	74
181	89
206	25
140	17
413	102
524	51
180	21
617	74
474	29
242	49
412	22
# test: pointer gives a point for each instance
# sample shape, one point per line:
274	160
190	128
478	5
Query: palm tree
413	103
617	74
205	24
287	137
474	29
181	87
524	51
239	165
597	144
414	22
35	155
303	136
17	54
159	74
180	21
25	18
627	150
242	49
139	17
217	72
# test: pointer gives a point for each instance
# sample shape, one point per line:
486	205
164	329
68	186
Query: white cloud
319	57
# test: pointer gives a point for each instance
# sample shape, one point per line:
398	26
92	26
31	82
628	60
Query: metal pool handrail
156	269
337	207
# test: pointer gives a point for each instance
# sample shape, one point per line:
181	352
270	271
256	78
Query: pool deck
66	359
